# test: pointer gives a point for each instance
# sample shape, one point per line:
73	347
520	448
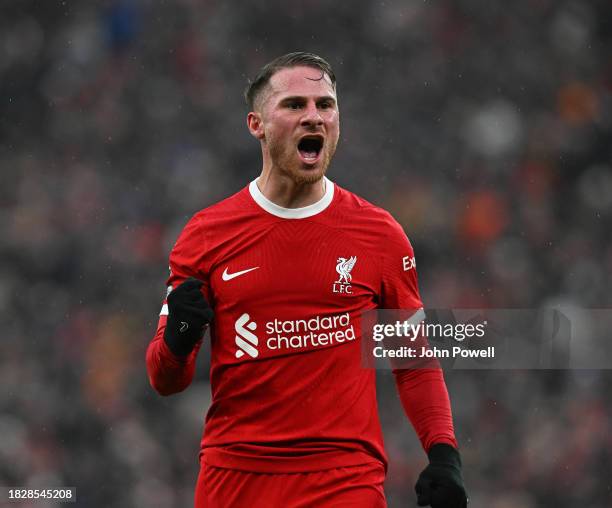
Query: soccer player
287	266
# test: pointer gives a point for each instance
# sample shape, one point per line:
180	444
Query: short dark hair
299	58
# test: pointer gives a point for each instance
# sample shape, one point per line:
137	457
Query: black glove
188	316
440	484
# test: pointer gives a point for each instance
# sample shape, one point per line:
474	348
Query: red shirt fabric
288	287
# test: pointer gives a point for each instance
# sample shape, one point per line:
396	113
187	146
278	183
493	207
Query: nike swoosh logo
229	276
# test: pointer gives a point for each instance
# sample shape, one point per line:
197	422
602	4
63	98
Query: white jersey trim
293	213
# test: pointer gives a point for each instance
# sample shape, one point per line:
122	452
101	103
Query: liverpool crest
344	267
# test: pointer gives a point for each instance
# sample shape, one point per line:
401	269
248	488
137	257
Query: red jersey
288	286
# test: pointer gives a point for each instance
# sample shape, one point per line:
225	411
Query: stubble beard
288	163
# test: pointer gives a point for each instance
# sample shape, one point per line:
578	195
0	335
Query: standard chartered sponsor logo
293	334
246	340
314	332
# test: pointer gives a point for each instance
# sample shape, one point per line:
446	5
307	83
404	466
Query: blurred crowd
484	127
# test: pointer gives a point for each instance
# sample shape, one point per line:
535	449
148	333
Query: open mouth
309	148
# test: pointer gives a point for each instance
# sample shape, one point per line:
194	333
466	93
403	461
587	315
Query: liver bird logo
344	267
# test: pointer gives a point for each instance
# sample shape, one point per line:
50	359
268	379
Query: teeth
309	155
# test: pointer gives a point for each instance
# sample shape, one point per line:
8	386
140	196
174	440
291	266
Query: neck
283	191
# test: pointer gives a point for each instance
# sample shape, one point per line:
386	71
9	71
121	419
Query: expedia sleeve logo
408	263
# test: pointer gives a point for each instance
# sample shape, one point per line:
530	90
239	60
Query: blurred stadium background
484	127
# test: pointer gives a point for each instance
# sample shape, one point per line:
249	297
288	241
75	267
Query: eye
294	106
326	105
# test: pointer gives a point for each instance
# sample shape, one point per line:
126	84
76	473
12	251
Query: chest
296	265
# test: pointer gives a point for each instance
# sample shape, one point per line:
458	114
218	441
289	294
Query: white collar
293	213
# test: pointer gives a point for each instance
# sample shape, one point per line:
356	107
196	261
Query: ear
255	125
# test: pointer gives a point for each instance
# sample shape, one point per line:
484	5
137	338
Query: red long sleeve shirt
288	288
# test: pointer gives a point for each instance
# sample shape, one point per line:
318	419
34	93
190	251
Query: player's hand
440	484
188	316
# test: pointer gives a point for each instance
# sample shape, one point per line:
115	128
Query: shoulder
366	213
221	215
211	217
232	204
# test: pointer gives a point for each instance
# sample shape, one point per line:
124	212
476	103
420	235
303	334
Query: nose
311	117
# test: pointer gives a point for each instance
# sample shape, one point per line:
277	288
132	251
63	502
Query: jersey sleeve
399	288
422	391
169	373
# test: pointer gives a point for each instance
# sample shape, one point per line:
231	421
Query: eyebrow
295	98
